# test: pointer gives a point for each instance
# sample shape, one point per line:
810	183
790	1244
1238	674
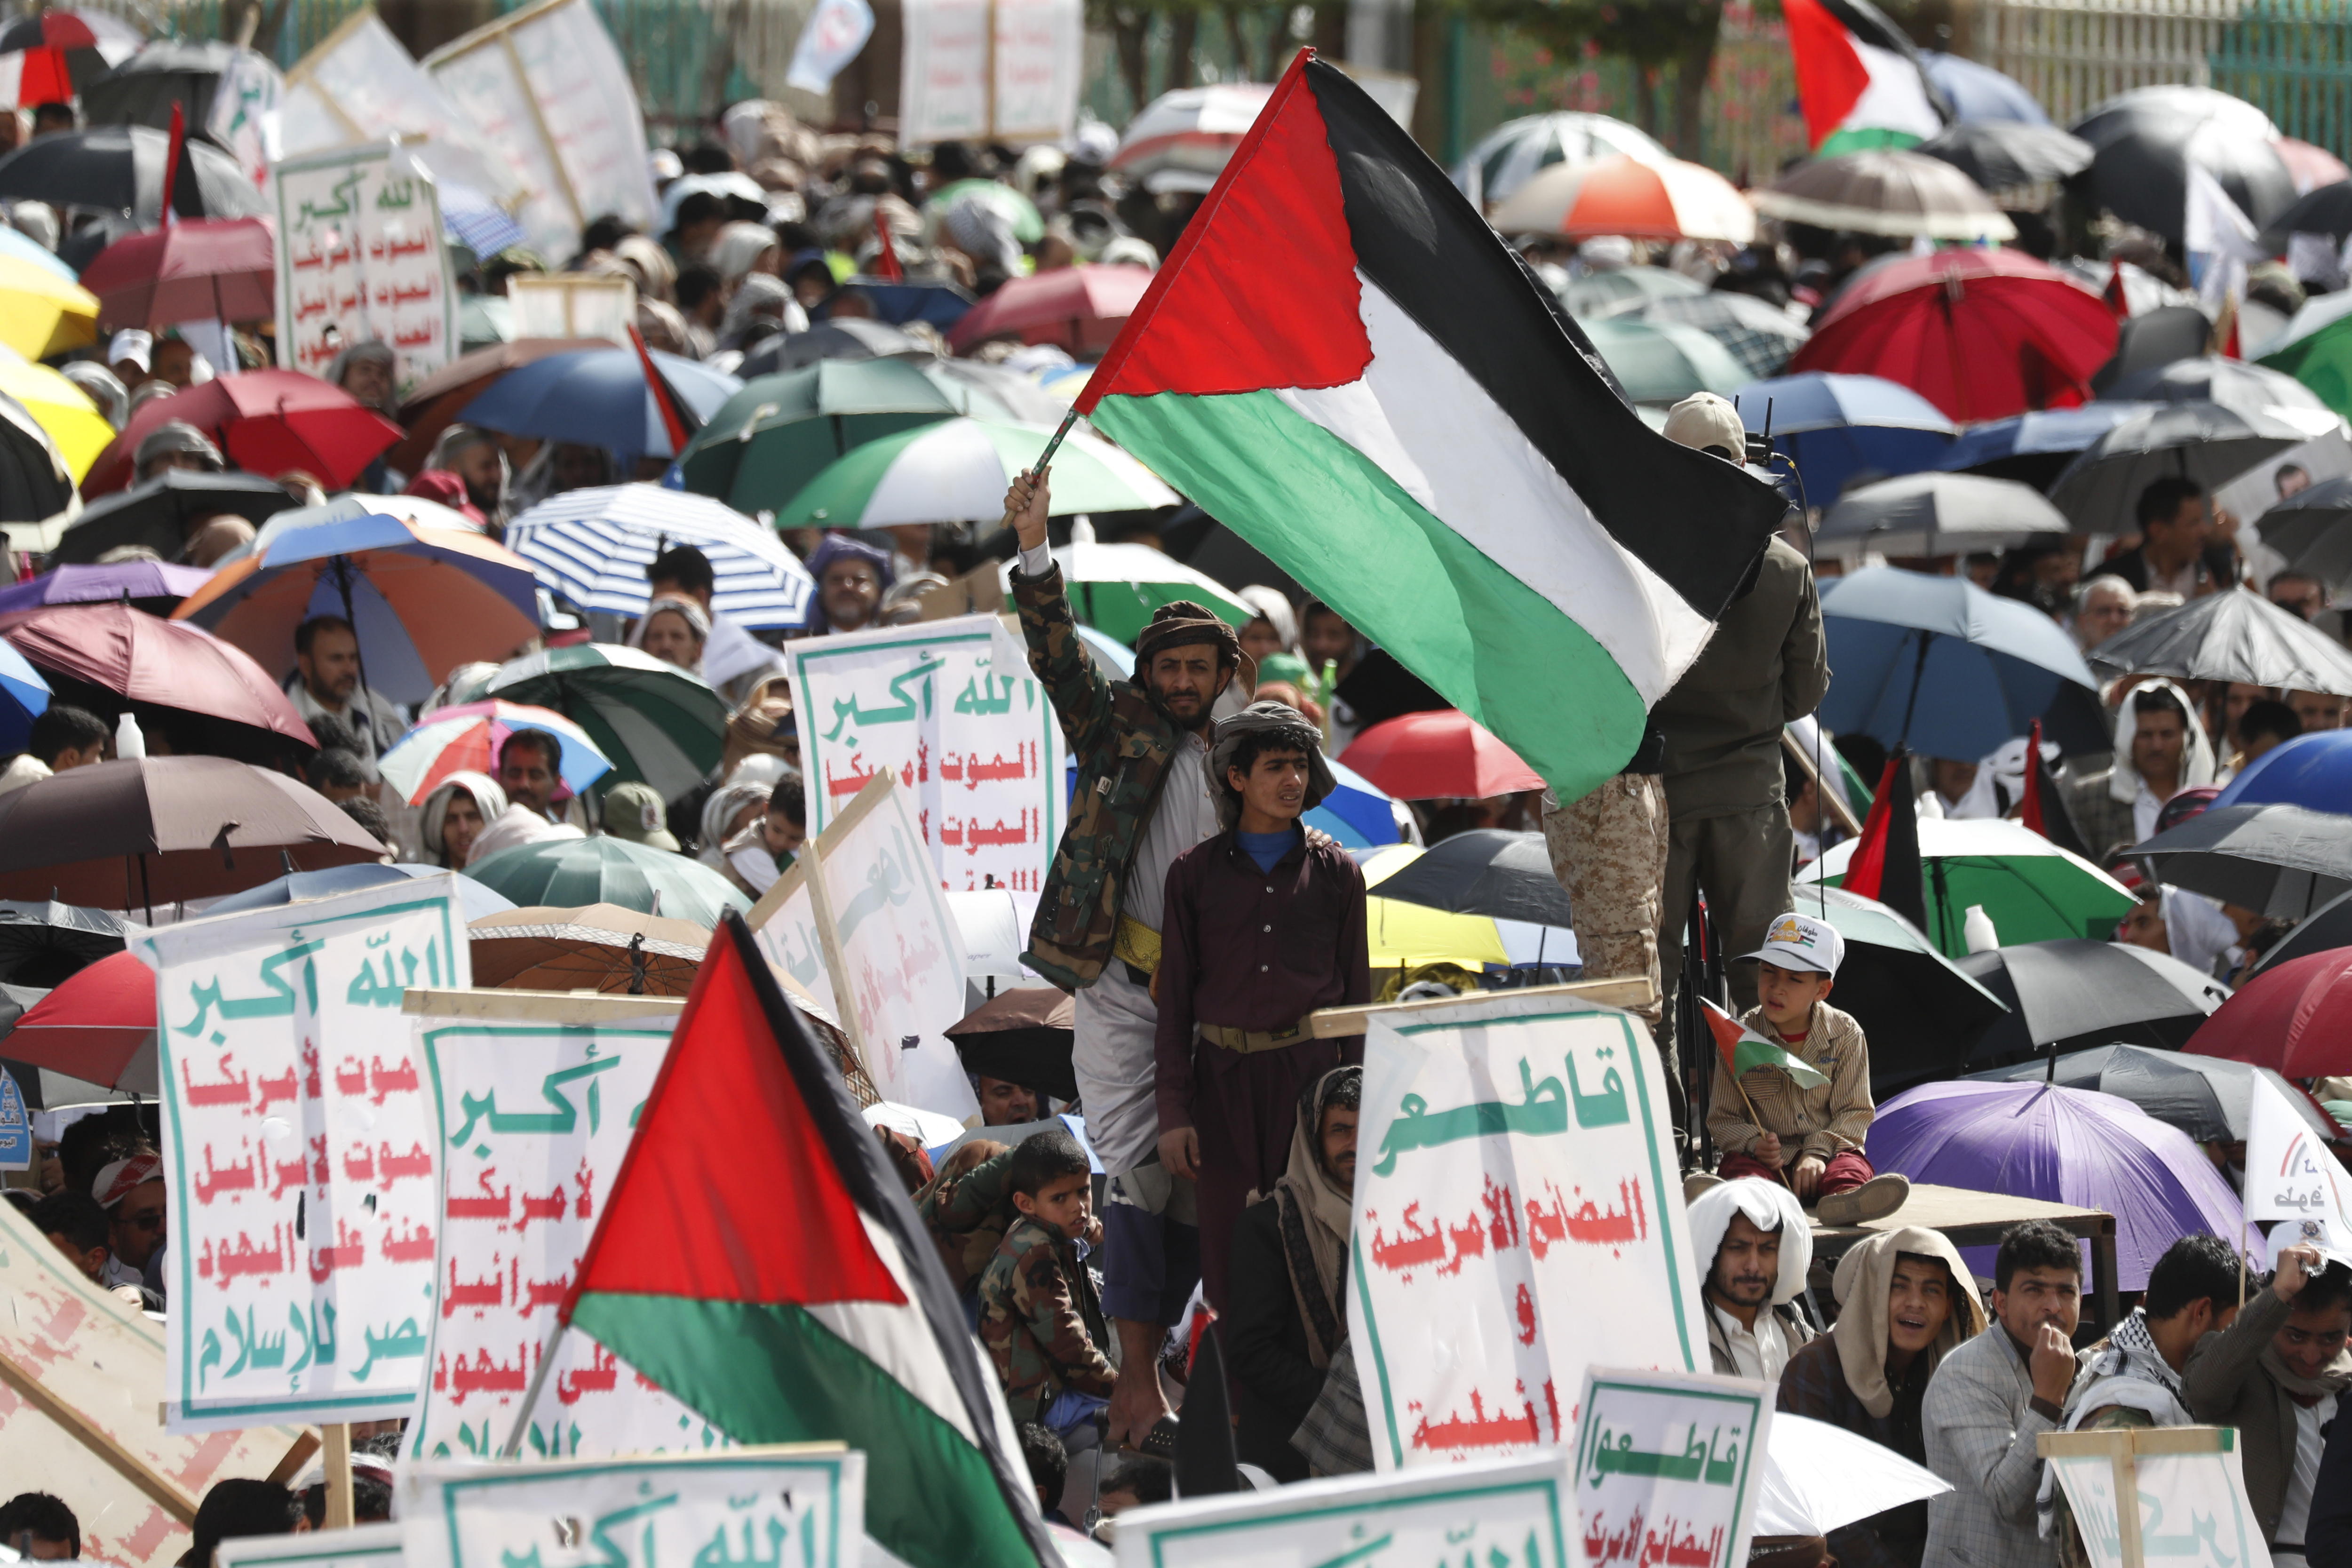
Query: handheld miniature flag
1858	77
758	1259
1742	1048
2043	808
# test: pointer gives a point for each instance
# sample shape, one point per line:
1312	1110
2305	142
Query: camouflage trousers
1609	851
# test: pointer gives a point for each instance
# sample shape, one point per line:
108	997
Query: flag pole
530	1396
1054	445
1758	1121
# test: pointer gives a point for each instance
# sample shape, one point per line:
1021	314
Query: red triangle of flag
1867	868
1831	77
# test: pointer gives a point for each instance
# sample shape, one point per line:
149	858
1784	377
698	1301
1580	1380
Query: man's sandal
1159	1443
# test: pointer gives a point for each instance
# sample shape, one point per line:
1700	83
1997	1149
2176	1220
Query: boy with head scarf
448	838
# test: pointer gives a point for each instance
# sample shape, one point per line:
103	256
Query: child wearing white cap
1766	1124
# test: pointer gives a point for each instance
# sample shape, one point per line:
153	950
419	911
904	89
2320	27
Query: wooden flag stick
1758	1123
1053	446
339	1513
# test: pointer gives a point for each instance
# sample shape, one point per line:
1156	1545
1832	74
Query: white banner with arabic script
802	1505
1669	1468
299	1143
952	709
360	1546
2193	1512
533	1122
360	257
1518	1218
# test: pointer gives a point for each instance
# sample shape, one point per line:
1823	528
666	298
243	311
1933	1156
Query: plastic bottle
130	741
1977	928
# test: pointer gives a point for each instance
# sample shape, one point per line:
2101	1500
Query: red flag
171	156
886	264
1864	872
673	418
2029	808
2118	304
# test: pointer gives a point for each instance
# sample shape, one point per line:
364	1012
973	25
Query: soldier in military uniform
1038	1314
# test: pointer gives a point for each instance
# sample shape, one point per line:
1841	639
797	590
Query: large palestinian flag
758	1259
1344	363
1858	77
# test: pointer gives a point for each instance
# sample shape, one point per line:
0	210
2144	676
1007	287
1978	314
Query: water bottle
130	741
1977	928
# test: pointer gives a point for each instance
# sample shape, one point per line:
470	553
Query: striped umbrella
1512	153
594	545
655	721
467	738
958	469
574	873
60	407
50	56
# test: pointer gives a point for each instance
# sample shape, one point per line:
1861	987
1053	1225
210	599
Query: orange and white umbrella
1637	198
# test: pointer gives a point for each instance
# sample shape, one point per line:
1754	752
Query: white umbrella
1819	1478
594	546
1182	139
994	926
1640	197
958	469
1510	154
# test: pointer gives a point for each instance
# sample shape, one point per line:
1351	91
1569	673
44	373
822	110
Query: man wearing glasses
131	1192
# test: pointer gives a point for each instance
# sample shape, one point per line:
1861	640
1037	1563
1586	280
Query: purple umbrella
2072	1146
144	583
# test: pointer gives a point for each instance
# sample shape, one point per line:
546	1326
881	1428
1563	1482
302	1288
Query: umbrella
1486	871
180	680
2031	889
141	90
834	338
2311	167
2313	771
1664	361
594	546
1832	427
2061	1145
2207	1098
658	723
1115	588
2067	995
770	438
1921	1012
267	421
484	321
1758	334
2009	157
59	407
1641	198
24	697
351	507
603	947
2286	1019
220	268
598	397
2330	925
1623	289
50	56
2312	529
1977	91
432	404
22	247
1819	1478
421	601
2234	634
1939	513
573	873
1979	333
2152	335
43	942
138	834
957	470
1181	140
1885	192
1079	308
121	167
2034	446
2315	348
1021	1036
2324	208
1440	755
1028	223
993	926
1514	152
2202	441
897	304
474	900
467	739
992	391
153	586
2144	142
41	313
97	1024
2276	859
1406	935
1357	813
35	483
161	512
1939	663
2210	378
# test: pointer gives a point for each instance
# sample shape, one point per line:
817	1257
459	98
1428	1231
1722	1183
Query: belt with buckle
1138	946
1245	1041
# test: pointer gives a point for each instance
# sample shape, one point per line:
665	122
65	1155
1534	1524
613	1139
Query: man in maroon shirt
1261	927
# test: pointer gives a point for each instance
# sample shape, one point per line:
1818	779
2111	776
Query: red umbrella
267	421
145	662
50	56
1079	308
98	1025
2296	1019
1981	335
1443	753
204	270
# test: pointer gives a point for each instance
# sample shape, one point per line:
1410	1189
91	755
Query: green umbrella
1114	588
2315	348
958	470
2033	891
771	437
1028	223
1664	361
658	723
570	873
1923	1015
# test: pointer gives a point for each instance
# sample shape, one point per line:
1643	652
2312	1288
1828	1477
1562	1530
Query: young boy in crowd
1809	1136
1039	1314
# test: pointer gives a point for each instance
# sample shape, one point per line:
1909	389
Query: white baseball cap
1800	942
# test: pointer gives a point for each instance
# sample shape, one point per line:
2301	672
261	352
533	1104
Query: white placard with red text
360	257
999	71
1669	1468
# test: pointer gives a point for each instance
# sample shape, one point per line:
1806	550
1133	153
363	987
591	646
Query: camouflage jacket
1042	1321
1122	746
968	1216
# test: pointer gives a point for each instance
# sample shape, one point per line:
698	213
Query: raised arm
1080	694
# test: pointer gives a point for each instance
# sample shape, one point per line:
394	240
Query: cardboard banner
1518	1513
1518	1218
359	256
1669	1468
800	1504
80	1370
360	1546
2191	1486
298	1145
534	1116
1002	70
945	705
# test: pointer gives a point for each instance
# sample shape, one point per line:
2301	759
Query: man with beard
365	370
851	578
1753	1243
480	464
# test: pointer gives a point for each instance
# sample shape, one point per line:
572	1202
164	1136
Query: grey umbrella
121	167
2234	634
2202	441
2278	860
1937	513
2313	530
2206	1097
2005	155
1885	192
2210	378
143	89
35	483
2076	992
1759	335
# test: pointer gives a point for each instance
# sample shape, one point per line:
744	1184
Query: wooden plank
536	1006
88	1433
341	1514
298	1456
1332	1023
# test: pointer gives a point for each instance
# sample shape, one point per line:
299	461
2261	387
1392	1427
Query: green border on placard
524	1474
1740	1523
1341	1507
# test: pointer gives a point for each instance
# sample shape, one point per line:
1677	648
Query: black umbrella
1922	1013
2279	860
2075	992
143	89
2157	337
1021	1036
2326	927
1934	513
1486	871
2210	378
44	943
2327	209
33	480
121	167
2202	441
2007	155
2144	142
2206	1097
159	512
2234	634
851	337
2312	529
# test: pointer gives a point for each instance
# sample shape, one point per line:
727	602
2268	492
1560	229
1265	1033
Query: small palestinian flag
1858	77
758	1259
1742	1048
1345	364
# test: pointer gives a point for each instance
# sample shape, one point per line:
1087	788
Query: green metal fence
2292	60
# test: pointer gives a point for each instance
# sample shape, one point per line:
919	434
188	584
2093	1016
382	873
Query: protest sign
80	1369
1005	70
536	1098
15	1127
569	305
244	113
360	257
298	1148
1668	1468
967	730
360	85
1518	1218
1518	1512
2193	1510
801	1503
357	1546
836	30
2291	1175
784	922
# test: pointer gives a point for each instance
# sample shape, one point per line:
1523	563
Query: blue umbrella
1836	427
1939	663
24	697
941	304
473	897
2314	770
2035	447
598	397
1980	92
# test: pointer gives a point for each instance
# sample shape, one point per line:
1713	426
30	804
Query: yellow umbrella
1406	936
42	313
62	409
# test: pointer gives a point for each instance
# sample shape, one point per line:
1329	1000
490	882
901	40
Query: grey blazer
1981	1431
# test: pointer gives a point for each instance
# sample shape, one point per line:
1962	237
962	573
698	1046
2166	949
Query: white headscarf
518	824
693	615
2195	752
739	247
1767	1205
1269	606
488	799
719	812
